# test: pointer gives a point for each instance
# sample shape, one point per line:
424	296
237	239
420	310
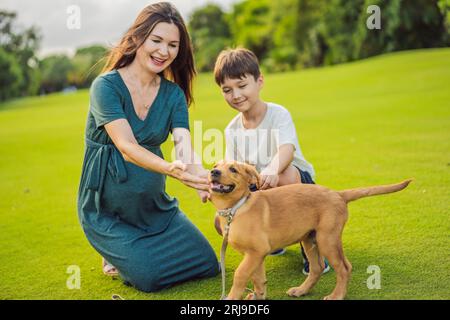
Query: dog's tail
355	194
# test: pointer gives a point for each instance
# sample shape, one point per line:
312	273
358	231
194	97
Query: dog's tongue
215	184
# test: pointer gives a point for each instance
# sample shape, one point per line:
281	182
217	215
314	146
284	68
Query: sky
100	21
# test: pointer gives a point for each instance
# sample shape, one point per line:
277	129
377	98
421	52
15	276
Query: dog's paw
251	296
255	296
333	297
296	292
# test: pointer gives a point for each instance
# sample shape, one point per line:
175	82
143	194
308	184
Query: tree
10	75
297	34
404	25
54	73
23	45
86	65
250	26
341	19
282	54
210	34
444	6
309	32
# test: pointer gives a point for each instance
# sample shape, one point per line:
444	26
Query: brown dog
276	218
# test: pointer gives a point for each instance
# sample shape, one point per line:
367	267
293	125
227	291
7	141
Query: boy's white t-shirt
258	146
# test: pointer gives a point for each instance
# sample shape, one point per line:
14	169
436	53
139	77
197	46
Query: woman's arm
185	153
122	136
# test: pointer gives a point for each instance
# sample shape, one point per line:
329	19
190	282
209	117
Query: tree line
284	34
22	73
292	34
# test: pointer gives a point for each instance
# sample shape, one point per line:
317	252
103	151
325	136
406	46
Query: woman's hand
177	170
186	154
202	173
204	195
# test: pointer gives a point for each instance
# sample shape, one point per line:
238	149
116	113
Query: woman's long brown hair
181	70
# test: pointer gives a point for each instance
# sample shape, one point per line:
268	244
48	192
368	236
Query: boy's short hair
235	64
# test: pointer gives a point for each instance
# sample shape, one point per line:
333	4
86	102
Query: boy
262	134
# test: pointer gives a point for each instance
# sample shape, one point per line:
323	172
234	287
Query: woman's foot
109	269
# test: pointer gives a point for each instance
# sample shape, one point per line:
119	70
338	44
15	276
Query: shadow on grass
285	271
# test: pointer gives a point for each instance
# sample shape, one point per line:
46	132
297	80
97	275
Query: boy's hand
269	181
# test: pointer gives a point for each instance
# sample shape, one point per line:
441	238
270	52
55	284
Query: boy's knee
289	176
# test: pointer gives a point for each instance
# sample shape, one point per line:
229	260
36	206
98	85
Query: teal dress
124	210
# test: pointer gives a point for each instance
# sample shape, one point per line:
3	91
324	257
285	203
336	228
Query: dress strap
106	159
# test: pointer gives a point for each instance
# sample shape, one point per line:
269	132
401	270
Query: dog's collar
230	212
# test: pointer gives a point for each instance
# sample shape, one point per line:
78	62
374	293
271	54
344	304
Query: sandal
109	269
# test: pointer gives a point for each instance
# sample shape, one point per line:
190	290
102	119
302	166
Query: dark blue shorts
304	176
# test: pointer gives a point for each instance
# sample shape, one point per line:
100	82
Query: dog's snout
215	173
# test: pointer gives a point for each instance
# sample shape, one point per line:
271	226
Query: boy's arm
281	160
279	163
287	139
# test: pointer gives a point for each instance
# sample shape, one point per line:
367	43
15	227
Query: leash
228	214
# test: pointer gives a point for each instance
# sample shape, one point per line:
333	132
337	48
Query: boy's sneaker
306	267
278	252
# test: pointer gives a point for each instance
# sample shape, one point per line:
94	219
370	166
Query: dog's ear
252	174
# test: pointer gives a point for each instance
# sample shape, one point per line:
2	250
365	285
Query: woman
123	208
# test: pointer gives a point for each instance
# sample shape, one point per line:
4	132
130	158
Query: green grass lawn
370	122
